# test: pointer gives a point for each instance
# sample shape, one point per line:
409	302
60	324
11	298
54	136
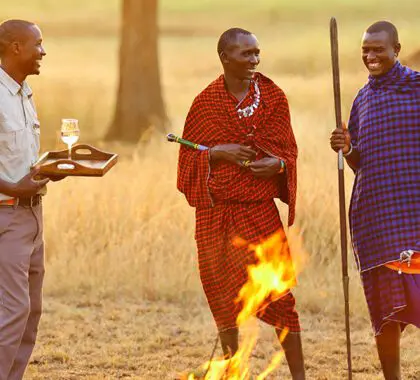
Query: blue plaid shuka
385	205
391	297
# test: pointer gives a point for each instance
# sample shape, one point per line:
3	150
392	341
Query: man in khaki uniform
21	232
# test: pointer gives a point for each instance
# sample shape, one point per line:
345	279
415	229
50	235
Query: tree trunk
139	106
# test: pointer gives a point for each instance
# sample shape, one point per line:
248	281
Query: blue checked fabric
392	297
385	205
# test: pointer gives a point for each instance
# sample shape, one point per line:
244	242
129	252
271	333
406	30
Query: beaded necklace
249	110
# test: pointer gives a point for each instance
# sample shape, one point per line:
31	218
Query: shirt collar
13	86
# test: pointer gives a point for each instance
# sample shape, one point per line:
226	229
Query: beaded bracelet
282	165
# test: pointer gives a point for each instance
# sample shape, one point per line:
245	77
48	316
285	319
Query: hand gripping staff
189	144
341	193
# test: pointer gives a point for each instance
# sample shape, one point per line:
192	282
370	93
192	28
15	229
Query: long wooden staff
341	192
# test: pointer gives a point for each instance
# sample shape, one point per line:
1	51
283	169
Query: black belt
28	202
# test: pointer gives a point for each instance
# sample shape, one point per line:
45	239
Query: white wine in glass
70	132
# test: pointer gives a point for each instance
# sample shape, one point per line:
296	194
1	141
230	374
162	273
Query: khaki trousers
21	277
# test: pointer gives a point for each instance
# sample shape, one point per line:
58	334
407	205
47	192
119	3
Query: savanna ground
122	293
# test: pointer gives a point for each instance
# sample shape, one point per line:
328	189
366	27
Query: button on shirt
19	130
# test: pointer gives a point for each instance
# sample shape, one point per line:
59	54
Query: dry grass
97	340
123	297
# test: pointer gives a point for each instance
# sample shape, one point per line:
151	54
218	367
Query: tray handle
73	166
93	152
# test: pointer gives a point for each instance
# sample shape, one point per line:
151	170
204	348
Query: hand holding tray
86	161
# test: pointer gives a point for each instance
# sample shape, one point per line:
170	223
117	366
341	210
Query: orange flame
272	276
235	368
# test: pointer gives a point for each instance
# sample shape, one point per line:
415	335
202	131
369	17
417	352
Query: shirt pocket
12	136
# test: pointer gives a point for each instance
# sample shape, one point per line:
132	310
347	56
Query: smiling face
29	50
241	58
379	53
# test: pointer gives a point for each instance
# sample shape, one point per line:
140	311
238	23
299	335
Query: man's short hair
228	37
385	26
10	31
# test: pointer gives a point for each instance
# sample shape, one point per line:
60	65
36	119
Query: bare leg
229	341
388	344
292	346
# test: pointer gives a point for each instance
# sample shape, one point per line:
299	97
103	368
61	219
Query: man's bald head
239	53
12	31
21	49
385	26
380	47
229	37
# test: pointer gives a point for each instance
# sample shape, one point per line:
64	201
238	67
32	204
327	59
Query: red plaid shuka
230	202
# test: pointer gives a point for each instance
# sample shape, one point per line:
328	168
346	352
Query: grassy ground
94	339
123	297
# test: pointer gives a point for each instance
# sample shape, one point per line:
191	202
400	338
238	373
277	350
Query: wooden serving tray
86	161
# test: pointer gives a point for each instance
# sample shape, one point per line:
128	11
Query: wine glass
70	132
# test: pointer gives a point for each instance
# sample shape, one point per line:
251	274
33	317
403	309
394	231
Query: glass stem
69	146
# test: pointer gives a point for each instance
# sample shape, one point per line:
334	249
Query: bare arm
353	159
7	188
267	167
28	186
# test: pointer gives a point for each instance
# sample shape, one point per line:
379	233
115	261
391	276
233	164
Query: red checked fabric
223	265
230	202
213	120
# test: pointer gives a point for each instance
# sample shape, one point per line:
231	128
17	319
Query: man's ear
397	49
15	47
223	57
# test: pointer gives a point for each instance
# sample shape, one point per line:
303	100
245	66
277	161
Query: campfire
272	276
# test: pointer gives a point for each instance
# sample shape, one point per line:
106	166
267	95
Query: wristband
349	152
282	166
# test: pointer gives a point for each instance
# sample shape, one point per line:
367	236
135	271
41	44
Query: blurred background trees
413	60
139	106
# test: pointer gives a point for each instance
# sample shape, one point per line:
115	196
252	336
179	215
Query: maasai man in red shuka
241	116
382	146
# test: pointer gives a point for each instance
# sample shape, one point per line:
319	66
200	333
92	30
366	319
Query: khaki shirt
19	130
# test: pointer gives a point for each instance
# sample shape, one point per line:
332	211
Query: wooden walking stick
341	192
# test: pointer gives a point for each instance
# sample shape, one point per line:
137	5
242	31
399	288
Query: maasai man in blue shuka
382	146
